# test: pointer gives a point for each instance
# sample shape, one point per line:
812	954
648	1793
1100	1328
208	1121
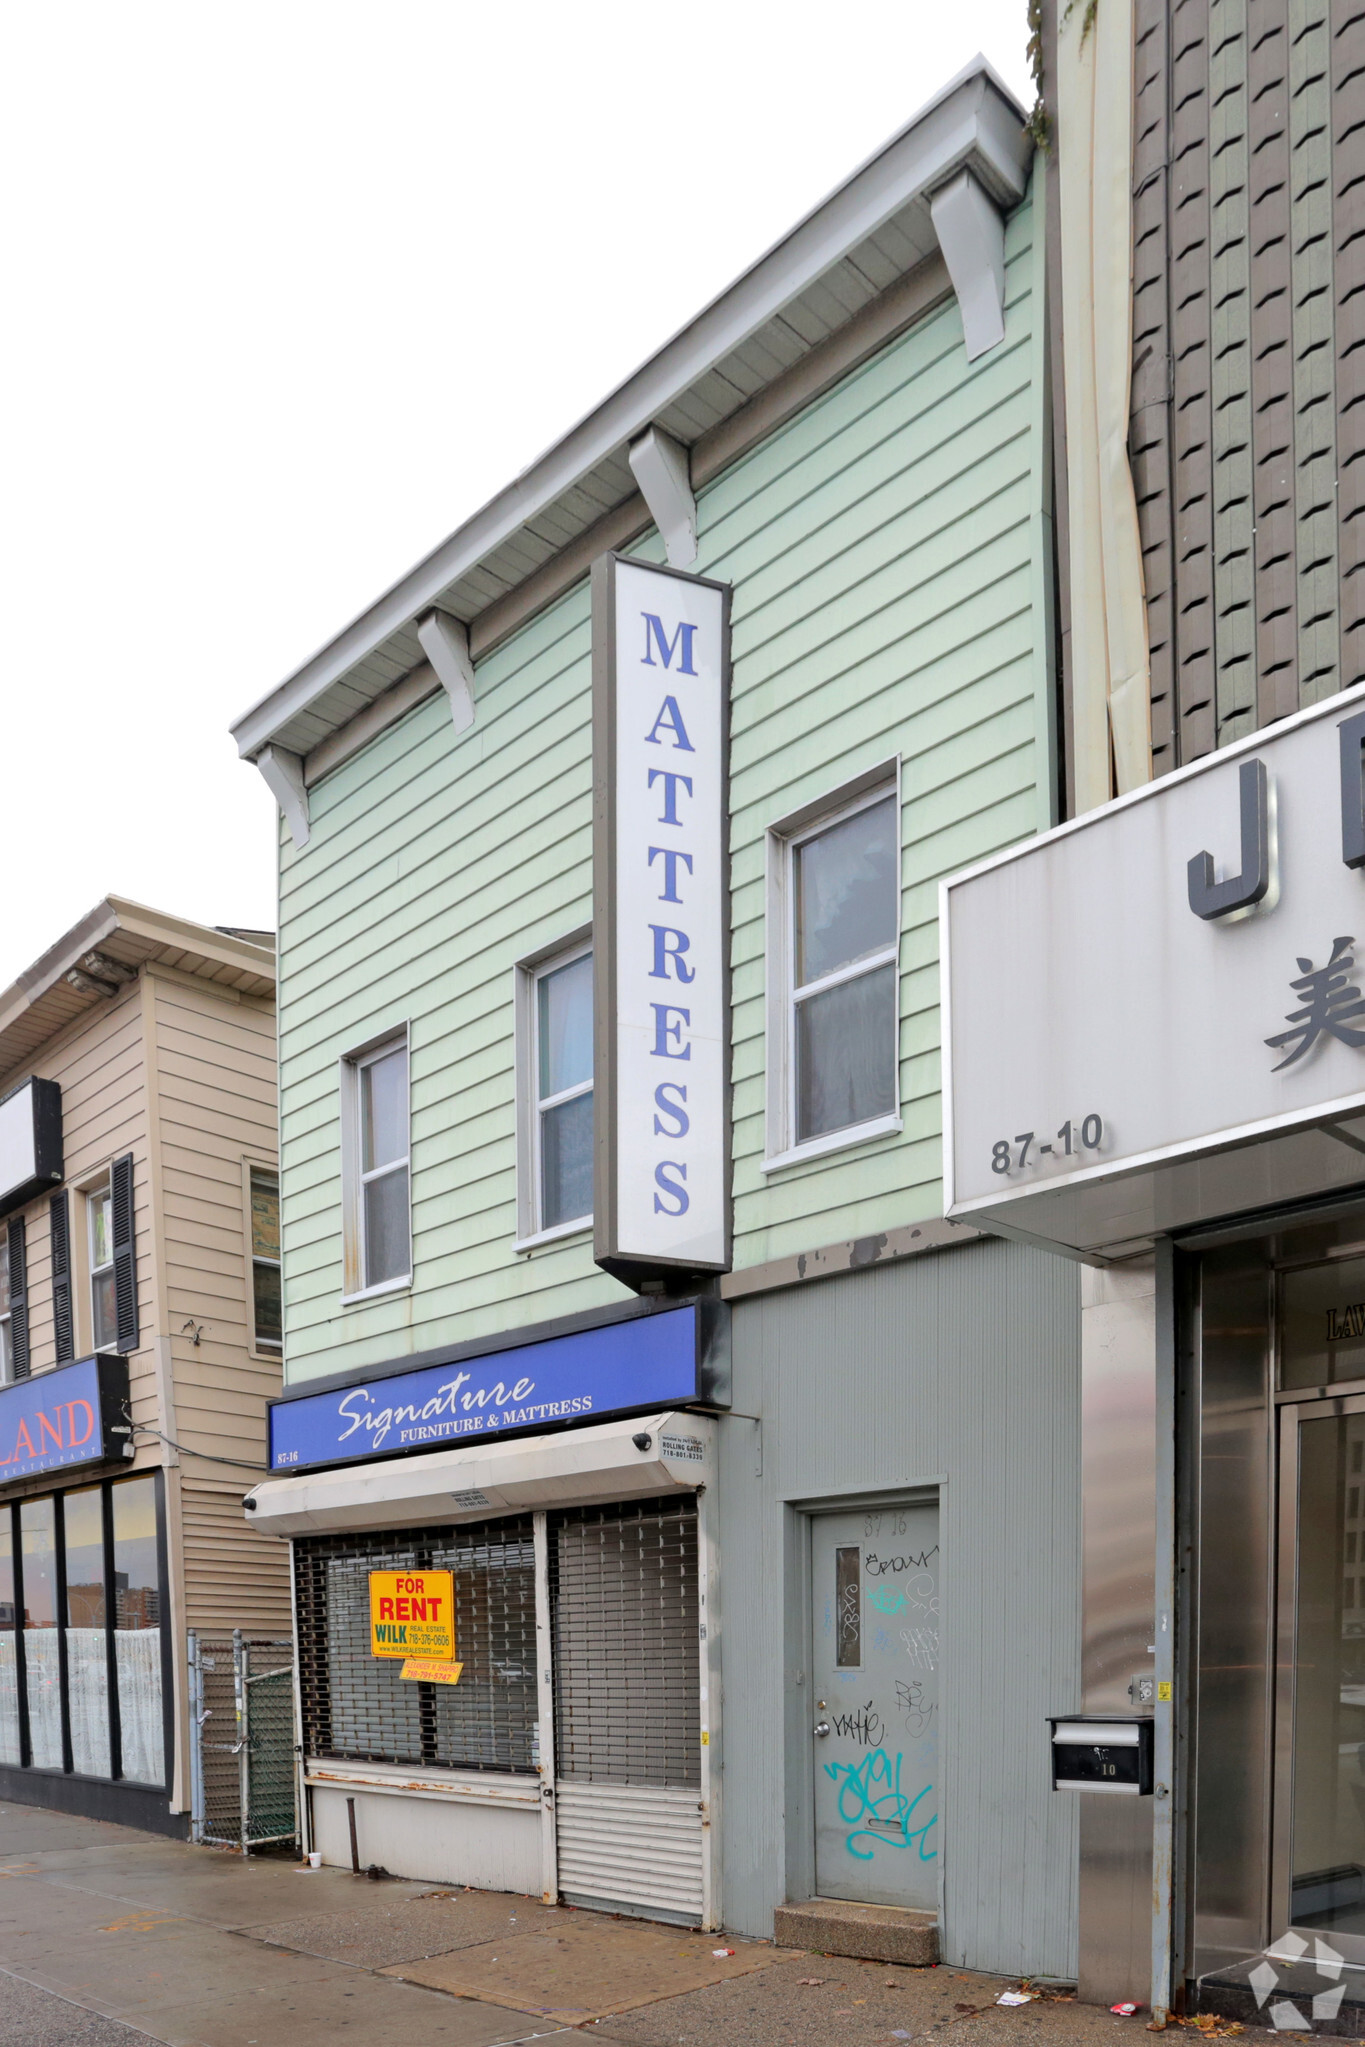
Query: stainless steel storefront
1275	1450
1175	1096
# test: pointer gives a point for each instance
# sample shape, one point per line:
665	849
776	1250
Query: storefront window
9	1665
358	1705
137	1631
38	1525
87	1646
81	1602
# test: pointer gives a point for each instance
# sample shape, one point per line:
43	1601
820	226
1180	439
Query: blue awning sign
624	1367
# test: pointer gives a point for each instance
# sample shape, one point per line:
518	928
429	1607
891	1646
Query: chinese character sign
1331	1004
660	684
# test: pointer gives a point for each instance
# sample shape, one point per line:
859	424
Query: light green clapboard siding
886	552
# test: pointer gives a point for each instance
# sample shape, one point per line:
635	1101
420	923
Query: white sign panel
18	1141
30	1142
660	690
1176	974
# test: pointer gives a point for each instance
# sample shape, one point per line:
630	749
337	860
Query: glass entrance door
1320	1719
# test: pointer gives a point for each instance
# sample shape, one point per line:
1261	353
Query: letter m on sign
656	637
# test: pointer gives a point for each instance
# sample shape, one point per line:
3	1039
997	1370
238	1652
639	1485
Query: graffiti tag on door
876	1811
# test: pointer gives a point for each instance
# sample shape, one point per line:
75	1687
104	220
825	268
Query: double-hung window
836	1013
99	1210
6	1314
556	1107
266	1327
379	1232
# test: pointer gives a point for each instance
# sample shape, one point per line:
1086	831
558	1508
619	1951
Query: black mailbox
1092	1753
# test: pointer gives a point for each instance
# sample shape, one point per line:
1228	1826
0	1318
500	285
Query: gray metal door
875	1576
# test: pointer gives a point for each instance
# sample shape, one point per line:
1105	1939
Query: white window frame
353	1180
529	974
269	1354
6	1314
785	837
102	1188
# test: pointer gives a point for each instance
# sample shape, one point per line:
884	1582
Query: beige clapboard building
139	1341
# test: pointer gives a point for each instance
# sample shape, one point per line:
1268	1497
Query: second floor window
563	1081
99	1208
845	904
6	1317
266	1325
378	1147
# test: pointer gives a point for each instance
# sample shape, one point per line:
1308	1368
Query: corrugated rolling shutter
630	1850
628	1707
356	1705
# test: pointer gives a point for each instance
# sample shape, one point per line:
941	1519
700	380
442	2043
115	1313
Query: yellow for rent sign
412	1613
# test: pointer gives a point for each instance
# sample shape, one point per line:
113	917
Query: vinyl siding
883	548
234	1578
213	1064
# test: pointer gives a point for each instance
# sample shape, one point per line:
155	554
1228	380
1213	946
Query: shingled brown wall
1247	423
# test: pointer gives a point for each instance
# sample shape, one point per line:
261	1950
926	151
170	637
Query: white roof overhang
859	242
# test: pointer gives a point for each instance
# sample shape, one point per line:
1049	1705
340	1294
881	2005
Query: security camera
642	1441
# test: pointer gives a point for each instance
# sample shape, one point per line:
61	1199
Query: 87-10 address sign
1016	1155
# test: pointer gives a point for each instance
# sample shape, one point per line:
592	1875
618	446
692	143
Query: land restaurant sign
661	675
1178	973
75	1415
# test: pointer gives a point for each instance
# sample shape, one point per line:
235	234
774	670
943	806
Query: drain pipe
355	1851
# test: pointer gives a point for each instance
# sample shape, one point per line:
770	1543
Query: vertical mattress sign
661	674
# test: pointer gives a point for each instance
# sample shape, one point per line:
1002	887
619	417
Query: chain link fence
242	1789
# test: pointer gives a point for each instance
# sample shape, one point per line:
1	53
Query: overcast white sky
293	288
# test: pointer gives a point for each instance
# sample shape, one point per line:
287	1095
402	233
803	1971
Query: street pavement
109	1937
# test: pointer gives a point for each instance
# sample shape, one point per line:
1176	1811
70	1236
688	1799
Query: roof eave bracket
282	773
663	469
971	234
445	642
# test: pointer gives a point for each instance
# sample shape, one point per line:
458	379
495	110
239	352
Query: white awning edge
579	1468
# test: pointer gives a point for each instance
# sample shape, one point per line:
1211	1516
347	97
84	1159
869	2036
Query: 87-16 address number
1072	1137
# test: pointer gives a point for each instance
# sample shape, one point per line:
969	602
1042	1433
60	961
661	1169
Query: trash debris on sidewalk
1019	1997
1125	2011
718	1951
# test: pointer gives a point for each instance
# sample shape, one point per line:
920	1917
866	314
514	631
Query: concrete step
870	1933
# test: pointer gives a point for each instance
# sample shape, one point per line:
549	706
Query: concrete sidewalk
108	1936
